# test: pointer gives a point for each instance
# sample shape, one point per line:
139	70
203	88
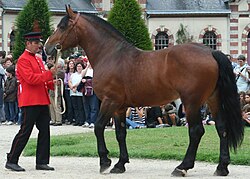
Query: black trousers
32	115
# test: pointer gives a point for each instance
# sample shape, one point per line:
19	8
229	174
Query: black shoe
14	167
44	167
57	124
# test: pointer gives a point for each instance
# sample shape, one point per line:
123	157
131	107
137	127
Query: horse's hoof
105	165
116	169
223	172
179	173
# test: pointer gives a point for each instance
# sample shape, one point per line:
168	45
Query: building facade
221	24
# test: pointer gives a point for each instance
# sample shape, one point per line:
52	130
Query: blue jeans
2	115
91	106
10	111
133	124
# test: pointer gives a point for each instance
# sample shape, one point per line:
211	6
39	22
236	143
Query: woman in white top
76	96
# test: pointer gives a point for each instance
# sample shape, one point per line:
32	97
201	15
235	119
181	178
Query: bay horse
127	76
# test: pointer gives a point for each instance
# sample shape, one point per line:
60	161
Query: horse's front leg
196	131
121	132
102	120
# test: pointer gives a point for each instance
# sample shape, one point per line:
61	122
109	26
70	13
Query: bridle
69	31
58	48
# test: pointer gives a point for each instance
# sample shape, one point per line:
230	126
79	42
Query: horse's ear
69	11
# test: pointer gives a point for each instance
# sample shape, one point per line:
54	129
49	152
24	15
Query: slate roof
54	5
175	7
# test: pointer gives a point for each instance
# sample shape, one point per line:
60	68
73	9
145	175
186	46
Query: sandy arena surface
84	167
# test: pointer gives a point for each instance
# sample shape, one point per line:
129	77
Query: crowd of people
82	105
242	76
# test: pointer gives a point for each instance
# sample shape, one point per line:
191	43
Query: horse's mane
93	19
107	26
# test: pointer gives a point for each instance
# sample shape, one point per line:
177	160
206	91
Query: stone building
221	24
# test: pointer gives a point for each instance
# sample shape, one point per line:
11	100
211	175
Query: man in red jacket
33	99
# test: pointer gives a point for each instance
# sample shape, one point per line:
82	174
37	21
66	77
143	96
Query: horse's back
167	74
193	69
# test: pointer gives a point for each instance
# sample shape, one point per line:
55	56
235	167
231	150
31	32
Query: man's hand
53	71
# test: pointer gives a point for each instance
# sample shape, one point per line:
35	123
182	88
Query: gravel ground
85	167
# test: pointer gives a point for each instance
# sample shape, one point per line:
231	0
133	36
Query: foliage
164	143
182	35
35	11
126	17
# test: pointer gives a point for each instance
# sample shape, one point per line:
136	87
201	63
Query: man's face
33	46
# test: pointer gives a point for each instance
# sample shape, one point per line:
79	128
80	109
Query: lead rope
58	109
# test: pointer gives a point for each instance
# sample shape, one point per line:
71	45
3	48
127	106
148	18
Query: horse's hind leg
196	131
220	124
121	132
224	159
102	120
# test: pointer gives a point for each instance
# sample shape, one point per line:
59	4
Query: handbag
88	89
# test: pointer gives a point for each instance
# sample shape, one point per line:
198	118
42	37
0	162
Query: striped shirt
135	116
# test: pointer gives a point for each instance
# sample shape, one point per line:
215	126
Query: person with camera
242	75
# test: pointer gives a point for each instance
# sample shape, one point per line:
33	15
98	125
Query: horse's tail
229	101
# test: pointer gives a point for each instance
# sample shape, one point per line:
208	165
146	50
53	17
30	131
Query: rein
58	48
58	109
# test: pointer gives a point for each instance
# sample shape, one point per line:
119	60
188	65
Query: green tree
182	35
35	16
126	16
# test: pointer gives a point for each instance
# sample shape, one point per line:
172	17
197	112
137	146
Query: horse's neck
98	43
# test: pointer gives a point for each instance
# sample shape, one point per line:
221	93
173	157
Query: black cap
33	36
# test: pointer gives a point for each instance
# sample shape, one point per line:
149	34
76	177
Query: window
161	40
209	39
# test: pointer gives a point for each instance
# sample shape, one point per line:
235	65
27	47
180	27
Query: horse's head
65	36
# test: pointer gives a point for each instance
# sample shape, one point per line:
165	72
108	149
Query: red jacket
34	81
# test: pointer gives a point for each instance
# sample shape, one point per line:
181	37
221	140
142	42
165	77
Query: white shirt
75	78
242	83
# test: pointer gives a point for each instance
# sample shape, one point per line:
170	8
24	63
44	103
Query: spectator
2	79
10	96
246	115
8	61
76	96
171	116
90	101
153	117
70	69
242	75
55	111
242	95
135	117
181	111
247	97
234	64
